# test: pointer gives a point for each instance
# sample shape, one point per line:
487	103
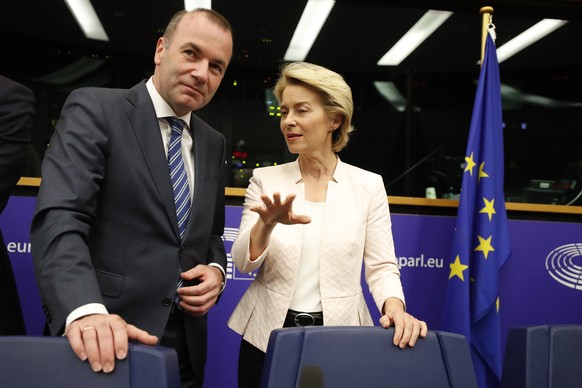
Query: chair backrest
358	356
548	356
49	362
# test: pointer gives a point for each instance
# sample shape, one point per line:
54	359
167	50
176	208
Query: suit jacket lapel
200	150
143	121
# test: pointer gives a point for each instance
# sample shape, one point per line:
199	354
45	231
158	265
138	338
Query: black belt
299	319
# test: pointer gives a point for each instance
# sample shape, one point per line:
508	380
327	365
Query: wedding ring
88	328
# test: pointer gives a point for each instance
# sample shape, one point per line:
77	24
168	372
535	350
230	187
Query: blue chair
357	356
49	362
548	356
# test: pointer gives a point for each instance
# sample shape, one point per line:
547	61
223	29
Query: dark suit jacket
17	107
105	228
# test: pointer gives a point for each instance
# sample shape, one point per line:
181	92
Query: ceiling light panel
314	16
87	19
528	37
421	30
189	5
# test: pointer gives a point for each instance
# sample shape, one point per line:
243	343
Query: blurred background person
17	109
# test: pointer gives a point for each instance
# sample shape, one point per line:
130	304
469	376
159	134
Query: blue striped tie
179	181
178	174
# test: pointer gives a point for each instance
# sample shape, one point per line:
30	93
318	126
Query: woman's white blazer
356	227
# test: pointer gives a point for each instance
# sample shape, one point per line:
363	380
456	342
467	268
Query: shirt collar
161	107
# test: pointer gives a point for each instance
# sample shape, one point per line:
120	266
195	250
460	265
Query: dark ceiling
356	35
44	48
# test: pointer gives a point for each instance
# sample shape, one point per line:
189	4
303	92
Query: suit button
182	249
167	302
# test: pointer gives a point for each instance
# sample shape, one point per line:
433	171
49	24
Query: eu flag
481	242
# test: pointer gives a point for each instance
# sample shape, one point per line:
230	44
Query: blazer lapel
143	121
200	156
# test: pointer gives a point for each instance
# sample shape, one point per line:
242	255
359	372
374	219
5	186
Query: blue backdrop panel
540	284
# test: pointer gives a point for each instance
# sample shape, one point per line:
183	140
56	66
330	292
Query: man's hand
199	299
100	338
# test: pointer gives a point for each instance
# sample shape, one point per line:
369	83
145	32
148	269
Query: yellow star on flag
484	246
482	174
489	207
457	268
470	164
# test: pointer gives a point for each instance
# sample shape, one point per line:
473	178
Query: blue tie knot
176	124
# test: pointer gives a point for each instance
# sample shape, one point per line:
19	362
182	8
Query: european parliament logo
231	272
564	264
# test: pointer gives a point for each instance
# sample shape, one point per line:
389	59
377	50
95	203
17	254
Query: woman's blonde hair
335	94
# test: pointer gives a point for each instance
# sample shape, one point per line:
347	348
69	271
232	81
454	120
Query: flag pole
485	21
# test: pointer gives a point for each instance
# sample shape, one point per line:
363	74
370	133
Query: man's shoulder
110	94
12	91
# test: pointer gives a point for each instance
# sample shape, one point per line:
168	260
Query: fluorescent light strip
87	19
423	28
391	93
529	36
517	96
313	17
189	5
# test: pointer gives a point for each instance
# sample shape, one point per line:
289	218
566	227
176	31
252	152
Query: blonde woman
307	225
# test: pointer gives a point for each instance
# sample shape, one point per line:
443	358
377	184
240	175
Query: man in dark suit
105	236
17	108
